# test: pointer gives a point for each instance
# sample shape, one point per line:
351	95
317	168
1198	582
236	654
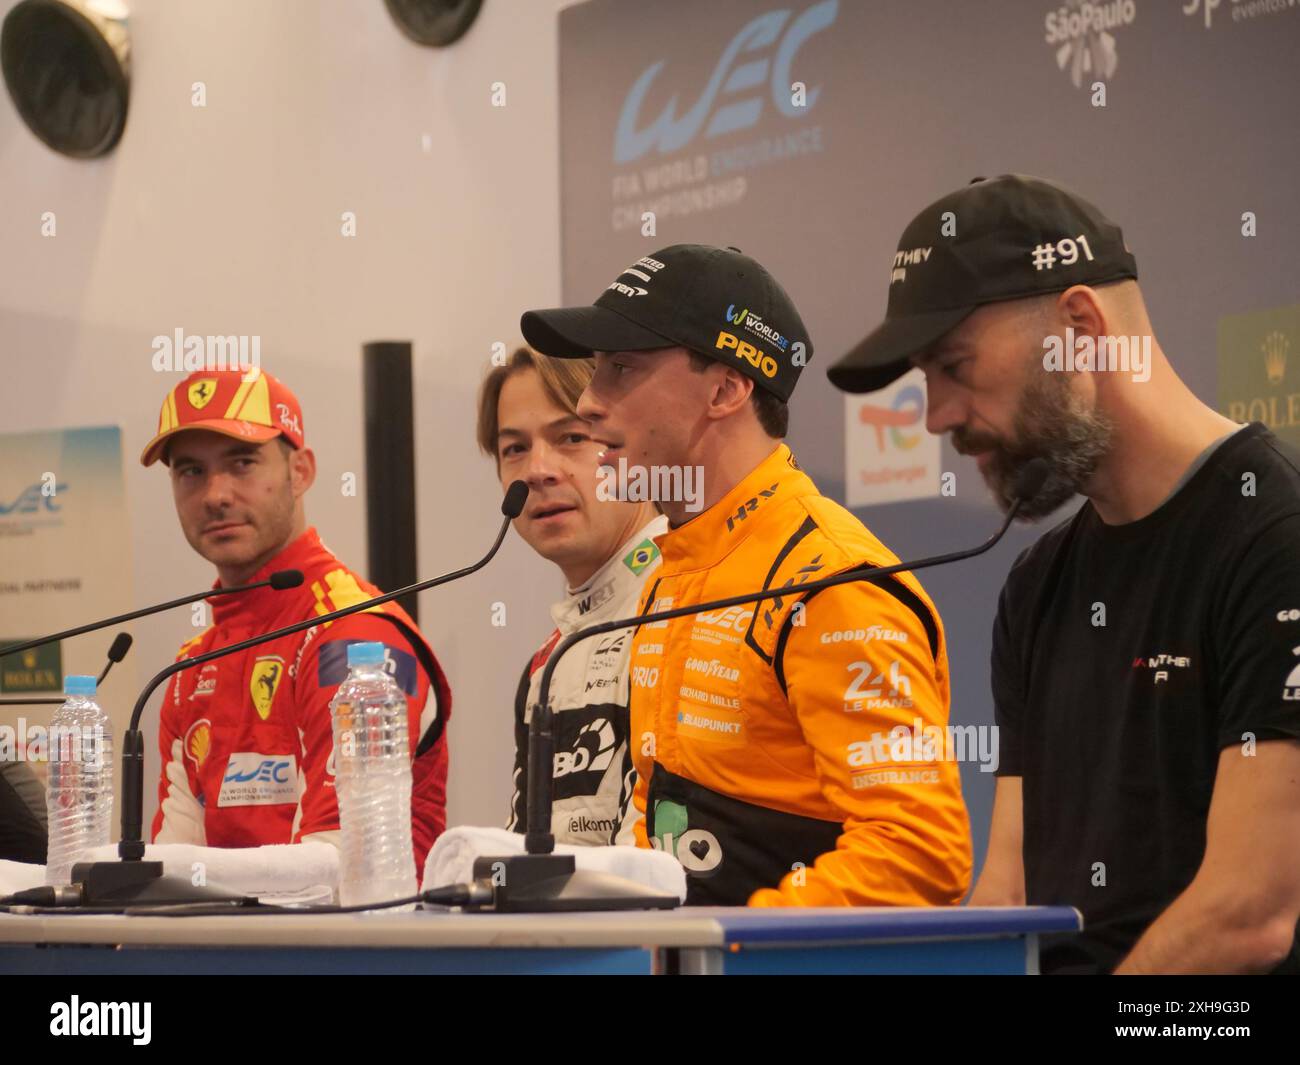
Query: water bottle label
255	779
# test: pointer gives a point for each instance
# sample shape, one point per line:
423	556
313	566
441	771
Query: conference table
703	941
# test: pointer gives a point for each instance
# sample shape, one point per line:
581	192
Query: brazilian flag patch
641	556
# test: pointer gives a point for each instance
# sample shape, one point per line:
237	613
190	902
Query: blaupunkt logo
744	80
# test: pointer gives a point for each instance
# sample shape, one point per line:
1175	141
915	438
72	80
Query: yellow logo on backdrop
1275	347
1256	381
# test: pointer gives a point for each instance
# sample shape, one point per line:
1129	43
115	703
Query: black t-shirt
1116	729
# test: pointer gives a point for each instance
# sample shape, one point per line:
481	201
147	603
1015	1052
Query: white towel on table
19	876
278	869
451	861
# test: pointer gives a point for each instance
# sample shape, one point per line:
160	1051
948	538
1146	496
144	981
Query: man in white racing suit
604	546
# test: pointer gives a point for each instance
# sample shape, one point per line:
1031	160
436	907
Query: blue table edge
857	925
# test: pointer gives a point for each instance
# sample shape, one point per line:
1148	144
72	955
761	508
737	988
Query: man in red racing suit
247	739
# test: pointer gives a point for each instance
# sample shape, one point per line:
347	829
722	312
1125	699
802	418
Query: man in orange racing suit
791	752
247	740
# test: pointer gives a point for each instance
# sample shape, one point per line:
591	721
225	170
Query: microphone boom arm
131	846
208	593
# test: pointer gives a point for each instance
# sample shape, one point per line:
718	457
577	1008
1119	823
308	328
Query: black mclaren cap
715	301
1000	238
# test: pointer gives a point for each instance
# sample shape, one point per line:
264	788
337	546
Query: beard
1051	423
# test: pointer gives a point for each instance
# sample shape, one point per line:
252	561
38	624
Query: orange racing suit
790	752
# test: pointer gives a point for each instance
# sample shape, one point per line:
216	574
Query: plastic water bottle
372	774
79	797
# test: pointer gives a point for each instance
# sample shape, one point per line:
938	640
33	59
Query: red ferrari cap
246	404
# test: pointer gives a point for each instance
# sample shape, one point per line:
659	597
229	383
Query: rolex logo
1275	347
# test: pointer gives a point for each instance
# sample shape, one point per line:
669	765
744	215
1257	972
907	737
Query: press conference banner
808	134
65	558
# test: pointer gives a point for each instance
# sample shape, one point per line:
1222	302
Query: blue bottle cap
77	684
365	654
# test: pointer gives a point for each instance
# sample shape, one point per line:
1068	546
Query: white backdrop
226	220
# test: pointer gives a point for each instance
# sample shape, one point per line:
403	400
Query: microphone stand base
139	884
552	883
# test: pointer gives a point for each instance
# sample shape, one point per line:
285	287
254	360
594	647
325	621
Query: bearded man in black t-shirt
1146	652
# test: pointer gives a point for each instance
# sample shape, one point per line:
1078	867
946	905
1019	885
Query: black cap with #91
1002	238
715	301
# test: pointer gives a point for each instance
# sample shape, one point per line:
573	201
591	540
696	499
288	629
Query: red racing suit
247	740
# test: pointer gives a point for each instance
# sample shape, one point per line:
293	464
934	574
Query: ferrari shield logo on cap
200	392
264	682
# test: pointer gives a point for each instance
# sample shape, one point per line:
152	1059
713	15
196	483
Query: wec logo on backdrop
732	77
34	498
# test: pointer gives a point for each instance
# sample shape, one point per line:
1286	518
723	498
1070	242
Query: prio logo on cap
744	350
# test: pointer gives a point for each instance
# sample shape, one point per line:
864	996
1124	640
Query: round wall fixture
67	66
434	22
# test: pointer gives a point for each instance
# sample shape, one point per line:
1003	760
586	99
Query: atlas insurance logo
748	64
1081	32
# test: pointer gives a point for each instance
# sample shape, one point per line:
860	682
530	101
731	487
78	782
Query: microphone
121	644
547	881
281	579
135	880
117	652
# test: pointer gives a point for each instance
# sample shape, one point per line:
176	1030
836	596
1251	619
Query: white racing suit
592	775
